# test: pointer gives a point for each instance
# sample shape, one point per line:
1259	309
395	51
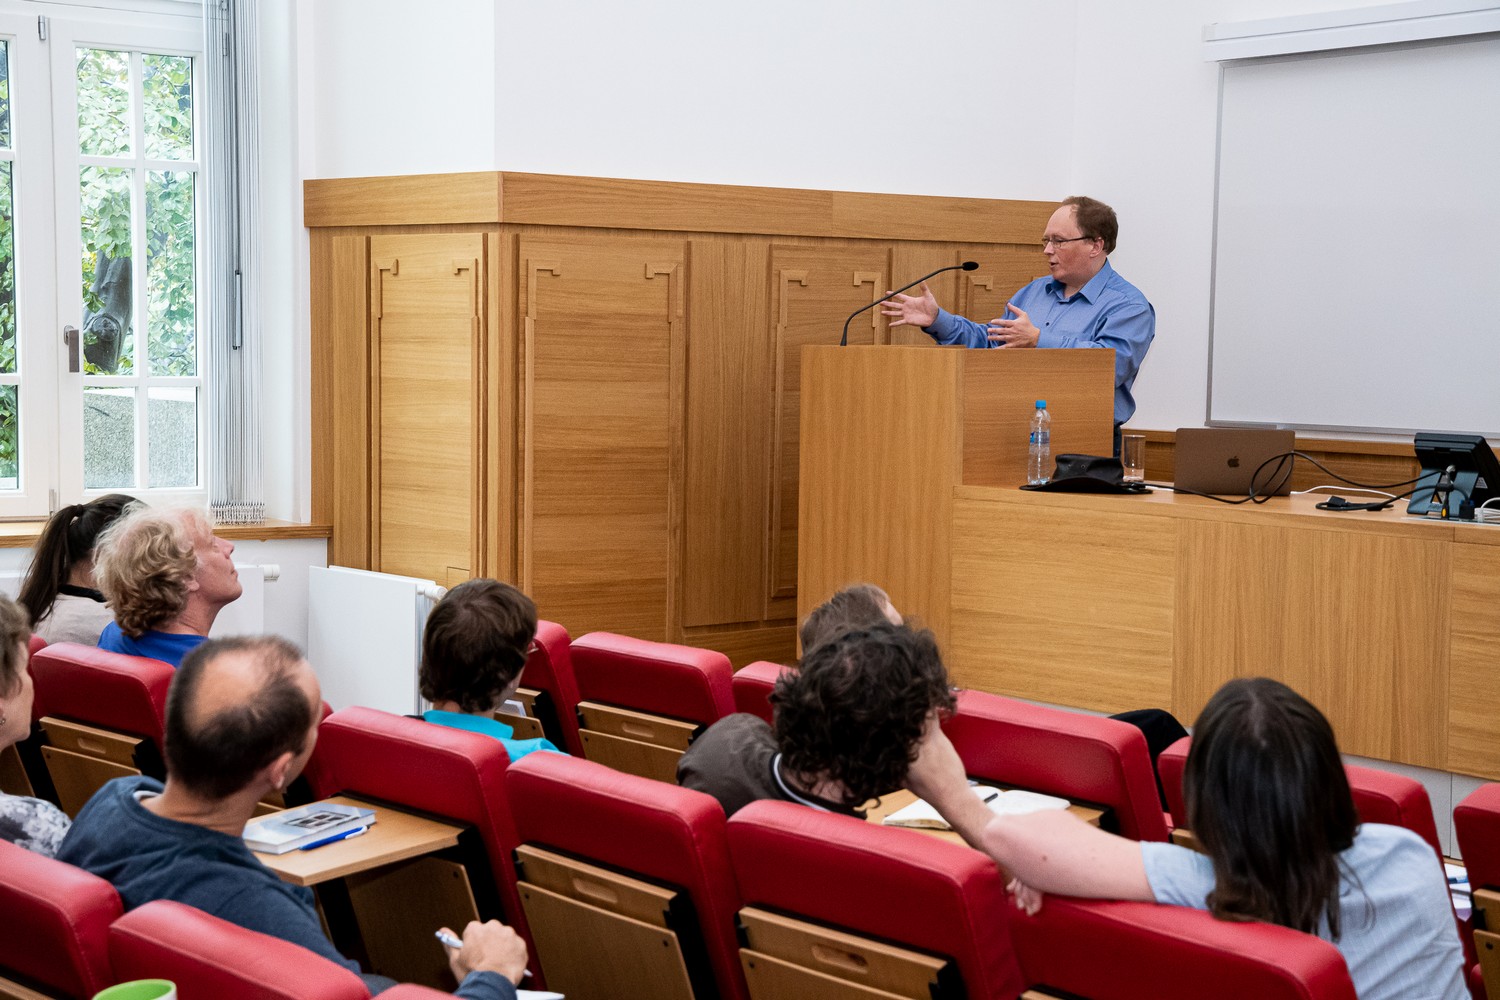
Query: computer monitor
1476	474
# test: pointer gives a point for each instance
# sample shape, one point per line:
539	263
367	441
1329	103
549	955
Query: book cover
286	831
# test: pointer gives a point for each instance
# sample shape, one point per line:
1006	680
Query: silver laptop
1221	460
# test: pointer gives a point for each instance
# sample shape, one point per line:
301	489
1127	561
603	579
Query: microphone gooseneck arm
967	265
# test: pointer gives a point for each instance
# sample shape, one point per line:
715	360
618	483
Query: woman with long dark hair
1268	799
59	593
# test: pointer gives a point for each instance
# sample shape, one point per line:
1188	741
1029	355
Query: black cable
1259	498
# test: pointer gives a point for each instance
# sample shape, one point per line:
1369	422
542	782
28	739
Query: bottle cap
1041	404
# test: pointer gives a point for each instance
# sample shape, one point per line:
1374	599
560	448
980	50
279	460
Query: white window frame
48	241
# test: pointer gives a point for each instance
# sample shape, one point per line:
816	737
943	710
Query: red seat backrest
1110	950
56	921
752	685
658	831
1379	796
417	765
550	668
678	681
111	690
208	957
1476	820
880	882
1081	757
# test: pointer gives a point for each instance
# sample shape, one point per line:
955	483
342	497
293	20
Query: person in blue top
1082	302
1268	799
473	650
166	576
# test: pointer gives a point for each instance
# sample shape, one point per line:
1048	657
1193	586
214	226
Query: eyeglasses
1058	241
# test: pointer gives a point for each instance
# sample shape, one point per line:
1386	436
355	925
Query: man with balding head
242	717
166	576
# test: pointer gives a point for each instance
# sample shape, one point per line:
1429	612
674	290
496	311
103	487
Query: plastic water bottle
1039	465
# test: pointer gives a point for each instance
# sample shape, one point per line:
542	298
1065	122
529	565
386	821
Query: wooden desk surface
877	810
395	836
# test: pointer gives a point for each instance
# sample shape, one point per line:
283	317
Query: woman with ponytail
59	593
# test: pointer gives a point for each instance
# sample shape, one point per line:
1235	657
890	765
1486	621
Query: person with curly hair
849	724
474	647
59	592
166	576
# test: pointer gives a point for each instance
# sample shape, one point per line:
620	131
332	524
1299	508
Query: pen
335	838
453	942
994	793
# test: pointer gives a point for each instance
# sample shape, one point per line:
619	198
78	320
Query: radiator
364	636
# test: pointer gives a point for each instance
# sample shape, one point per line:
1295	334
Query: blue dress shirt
1107	312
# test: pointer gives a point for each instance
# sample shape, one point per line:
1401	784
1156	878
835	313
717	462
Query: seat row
779	900
890	889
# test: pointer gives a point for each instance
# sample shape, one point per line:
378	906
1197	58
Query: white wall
1025	99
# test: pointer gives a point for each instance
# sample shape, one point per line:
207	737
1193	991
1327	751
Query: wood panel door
813	290
602	360
427	364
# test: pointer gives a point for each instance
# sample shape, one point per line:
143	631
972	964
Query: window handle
70	337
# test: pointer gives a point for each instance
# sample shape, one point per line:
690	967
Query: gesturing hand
911	310
1018	332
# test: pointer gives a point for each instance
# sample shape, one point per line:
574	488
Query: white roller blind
1357	262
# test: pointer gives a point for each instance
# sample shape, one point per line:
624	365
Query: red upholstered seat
56	919
1109	950
678	681
657	831
1081	757
417	765
550	668
753	684
1379	796
208	957
880	882
1476	821
35	643
85	684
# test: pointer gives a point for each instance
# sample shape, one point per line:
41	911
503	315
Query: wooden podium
888	432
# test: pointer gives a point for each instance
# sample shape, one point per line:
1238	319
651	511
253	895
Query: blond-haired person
167	576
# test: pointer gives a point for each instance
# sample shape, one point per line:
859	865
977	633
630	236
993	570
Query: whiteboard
1357	240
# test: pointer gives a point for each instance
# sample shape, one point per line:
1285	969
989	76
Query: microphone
967	265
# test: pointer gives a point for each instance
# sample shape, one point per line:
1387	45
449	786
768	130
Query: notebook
1221	460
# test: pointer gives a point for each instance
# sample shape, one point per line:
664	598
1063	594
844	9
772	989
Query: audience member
848	725
473	650
59	592
242	717
1269	801
167	577
857	606
33	824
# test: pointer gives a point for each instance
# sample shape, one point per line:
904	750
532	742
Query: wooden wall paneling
341	382
728	468
426	319
604	351
1348	618
1003	271
499	418
813	290
910	261
1093	630
773	643
1473	695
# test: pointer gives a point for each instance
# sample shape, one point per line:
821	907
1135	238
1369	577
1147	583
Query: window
101	345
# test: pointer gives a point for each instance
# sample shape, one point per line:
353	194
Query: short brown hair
14	630
475	644
857	606
1096	220
144	562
